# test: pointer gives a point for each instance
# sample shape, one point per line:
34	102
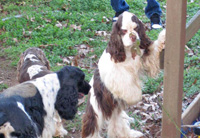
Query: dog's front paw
136	134
131	120
161	40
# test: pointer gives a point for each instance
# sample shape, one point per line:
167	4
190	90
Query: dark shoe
115	18
155	21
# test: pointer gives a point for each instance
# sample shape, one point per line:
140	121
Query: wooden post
192	111
192	26
173	68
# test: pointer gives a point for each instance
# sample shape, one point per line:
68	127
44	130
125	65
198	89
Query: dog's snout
133	37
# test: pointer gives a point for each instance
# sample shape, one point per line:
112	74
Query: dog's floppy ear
44	60
71	82
67	97
66	102
3	118
141	30
42	57
115	45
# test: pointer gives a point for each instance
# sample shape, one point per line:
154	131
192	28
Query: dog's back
21	112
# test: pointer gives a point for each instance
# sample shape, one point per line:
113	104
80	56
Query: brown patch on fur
24	90
23	66
89	120
134	55
106	103
115	45
145	40
104	97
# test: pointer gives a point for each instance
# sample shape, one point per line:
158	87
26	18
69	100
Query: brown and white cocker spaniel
117	82
32	64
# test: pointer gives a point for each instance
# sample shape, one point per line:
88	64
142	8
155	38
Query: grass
3	86
39	25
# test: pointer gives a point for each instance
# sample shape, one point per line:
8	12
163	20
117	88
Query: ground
149	109
8	74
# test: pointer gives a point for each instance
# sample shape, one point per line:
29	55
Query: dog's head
72	81
127	32
32	59
14	122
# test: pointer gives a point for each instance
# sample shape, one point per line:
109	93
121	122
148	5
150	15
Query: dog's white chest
121	79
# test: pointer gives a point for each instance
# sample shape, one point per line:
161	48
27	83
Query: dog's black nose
84	88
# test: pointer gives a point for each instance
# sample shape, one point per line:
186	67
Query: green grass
3	86
38	26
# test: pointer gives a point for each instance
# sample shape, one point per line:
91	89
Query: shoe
155	21
115	18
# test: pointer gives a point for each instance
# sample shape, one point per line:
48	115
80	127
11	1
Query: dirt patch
8	73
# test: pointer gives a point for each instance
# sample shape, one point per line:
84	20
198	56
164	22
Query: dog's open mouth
80	95
81	98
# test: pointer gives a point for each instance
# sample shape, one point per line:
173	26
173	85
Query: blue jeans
152	7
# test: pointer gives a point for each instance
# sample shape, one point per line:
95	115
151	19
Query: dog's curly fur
36	102
117	80
32	64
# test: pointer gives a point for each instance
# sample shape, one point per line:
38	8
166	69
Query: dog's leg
119	126
60	130
125	116
93	119
151	62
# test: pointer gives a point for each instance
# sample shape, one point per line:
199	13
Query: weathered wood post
174	67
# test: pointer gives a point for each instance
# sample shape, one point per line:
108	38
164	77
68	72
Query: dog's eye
123	31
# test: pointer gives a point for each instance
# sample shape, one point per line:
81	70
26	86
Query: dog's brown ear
141	30
47	64
115	45
41	55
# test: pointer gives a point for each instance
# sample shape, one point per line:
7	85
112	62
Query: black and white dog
34	64
28	110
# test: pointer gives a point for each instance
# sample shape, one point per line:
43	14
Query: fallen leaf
75	27
60	64
189	51
39	27
32	19
101	33
105	19
195	81
15	39
59	24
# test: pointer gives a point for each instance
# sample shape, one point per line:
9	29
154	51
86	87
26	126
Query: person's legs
119	6
153	12
152	7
